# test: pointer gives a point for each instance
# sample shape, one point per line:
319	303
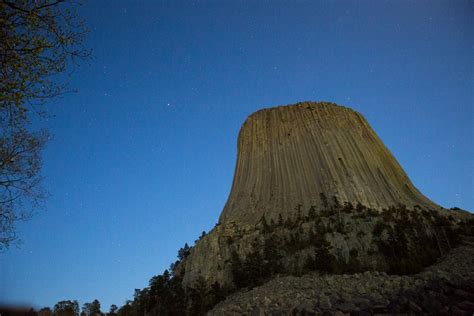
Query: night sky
143	155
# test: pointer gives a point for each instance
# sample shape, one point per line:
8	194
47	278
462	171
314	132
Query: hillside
446	288
320	218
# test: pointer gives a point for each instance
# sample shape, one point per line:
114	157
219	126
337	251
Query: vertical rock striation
289	155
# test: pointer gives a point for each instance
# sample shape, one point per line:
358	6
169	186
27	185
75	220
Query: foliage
324	200
66	308
165	295
126	309
323	261
258	265
113	310
20	192
39	38
184	252
45	311
91	309
405	239
272	255
410	241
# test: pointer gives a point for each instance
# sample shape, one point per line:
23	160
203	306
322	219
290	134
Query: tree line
65	308
401	236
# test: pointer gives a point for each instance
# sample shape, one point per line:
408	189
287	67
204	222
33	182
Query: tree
66	308
20	192
198	297
271	256
95	308
323	261
312	212
45	311
265	227
324	200
91	309
280	220
184	252
86	309
126	309
39	39
113	310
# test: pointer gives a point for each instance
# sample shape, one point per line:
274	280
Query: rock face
289	155
290	160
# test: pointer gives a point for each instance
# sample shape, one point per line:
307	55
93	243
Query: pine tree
312	212
280	220
324	200
184	252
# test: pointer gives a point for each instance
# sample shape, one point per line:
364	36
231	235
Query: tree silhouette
184	252
113	310
38	40
66	308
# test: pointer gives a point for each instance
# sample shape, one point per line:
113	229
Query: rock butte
289	155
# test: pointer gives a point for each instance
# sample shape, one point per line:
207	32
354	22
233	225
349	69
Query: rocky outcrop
288	155
294	159
445	288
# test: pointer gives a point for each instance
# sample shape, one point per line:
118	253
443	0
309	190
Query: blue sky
143	154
